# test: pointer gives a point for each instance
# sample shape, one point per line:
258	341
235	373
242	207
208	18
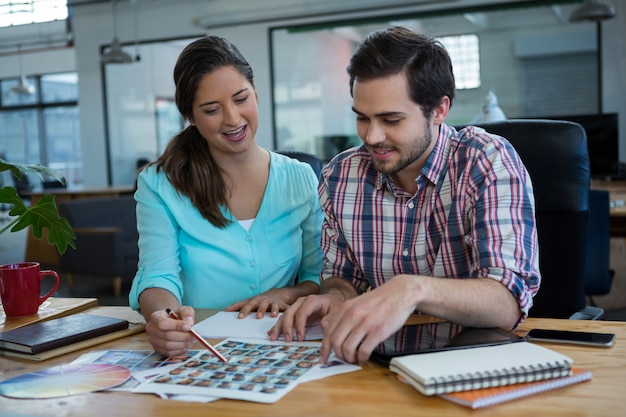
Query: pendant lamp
115	54
592	10
23	87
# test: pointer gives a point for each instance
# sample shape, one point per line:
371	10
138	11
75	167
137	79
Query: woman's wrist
301	289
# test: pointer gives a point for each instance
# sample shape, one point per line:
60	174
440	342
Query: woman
222	222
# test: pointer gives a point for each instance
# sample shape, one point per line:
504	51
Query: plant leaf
8	195
43	215
19	170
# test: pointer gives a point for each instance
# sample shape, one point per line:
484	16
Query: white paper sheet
226	324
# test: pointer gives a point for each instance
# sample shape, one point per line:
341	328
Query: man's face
392	126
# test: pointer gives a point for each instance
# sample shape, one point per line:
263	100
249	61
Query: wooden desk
373	391
40	250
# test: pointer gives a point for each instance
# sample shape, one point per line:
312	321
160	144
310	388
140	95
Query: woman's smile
238	134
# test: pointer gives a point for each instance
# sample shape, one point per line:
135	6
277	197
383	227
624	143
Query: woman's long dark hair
187	160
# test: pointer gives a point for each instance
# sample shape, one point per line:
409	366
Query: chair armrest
588	313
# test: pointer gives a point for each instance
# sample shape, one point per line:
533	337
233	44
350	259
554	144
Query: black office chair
313	160
556	156
598	273
106	239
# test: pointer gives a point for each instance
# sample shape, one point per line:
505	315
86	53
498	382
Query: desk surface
373	391
83	192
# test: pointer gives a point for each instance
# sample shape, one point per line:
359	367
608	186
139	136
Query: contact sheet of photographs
260	371
142	363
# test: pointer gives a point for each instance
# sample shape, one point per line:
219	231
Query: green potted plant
42	215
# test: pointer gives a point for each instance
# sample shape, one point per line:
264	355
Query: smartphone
572	337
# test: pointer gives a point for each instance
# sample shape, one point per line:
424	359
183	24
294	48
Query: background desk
40	250
373	391
616	299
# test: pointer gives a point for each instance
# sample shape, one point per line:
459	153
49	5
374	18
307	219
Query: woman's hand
169	336
274	301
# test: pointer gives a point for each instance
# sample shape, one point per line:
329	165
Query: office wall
246	23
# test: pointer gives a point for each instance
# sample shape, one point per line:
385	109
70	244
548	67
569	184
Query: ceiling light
23	87
115	54
592	10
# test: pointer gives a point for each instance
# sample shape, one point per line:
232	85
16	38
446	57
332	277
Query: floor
615	315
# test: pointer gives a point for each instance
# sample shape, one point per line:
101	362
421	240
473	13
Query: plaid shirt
472	216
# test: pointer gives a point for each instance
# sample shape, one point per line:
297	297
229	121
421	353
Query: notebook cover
52	308
51	334
53	353
480	367
490	396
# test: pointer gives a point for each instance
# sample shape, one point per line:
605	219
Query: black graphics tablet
433	337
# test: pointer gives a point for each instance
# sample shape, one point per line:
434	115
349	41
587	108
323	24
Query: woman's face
225	111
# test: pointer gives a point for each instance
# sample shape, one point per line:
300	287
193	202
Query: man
431	219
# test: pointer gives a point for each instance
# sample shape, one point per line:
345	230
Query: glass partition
141	113
532	59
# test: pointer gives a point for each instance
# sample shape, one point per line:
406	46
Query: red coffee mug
20	288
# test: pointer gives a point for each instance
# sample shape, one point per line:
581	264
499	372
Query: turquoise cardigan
208	267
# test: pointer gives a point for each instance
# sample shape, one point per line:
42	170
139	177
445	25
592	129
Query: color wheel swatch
64	380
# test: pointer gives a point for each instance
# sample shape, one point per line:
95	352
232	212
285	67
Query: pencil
199	338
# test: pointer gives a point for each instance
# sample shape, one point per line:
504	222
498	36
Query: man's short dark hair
397	49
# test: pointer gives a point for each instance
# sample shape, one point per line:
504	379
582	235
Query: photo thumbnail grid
254	367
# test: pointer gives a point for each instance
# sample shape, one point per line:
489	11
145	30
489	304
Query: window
465	56
41	126
21	12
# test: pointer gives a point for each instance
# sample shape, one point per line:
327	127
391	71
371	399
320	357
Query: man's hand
354	329
309	310
306	311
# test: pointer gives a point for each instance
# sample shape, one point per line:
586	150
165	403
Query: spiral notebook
487	397
480	367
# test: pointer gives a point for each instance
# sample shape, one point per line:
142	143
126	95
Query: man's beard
414	151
